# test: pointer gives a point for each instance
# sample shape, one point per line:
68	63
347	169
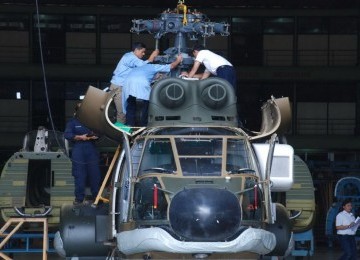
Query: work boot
77	202
88	202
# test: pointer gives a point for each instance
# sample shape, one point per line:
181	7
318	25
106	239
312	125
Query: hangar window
80	39
80	23
14	22
249	50
330	114
313	25
246	25
115	24
335	92
10	89
49	21
115	37
343	25
52	38
40	106
279	25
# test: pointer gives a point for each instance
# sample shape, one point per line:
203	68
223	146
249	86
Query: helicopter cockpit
196	156
168	162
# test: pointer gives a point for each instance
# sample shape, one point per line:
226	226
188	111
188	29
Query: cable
45	81
44	76
43	66
46	87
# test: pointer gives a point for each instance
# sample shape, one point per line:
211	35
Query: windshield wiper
241	170
159	170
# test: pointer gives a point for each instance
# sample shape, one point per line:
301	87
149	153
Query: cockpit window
197	155
158	157
237	158
200	156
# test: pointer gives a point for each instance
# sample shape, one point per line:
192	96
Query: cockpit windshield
158	157
200	156
197	156
237	158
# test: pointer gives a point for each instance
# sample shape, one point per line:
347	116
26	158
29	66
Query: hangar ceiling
199	3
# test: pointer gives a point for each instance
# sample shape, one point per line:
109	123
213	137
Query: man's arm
343	227
176	62
194	70
153	55
68	133
206	74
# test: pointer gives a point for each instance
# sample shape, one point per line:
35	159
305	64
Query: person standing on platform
346	229
85	158
138	86
128	61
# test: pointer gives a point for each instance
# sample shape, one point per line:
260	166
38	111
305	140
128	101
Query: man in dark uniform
85	158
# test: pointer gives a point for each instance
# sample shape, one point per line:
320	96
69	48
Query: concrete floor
321	252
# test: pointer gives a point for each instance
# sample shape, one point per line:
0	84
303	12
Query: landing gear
282	230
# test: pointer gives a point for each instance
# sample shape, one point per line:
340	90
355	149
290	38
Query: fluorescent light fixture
18	95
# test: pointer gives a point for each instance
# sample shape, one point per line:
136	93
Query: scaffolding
13	225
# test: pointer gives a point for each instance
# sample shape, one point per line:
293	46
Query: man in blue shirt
137	86
128	61
84	157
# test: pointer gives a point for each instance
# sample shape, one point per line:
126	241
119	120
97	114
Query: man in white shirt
214	64
346	229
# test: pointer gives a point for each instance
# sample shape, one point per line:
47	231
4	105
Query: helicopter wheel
282	231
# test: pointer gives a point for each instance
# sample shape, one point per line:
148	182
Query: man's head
139	49
196	49
347	206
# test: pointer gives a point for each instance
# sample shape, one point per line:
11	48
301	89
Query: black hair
346	201
138	46
198	47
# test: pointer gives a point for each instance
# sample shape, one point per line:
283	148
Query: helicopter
192	183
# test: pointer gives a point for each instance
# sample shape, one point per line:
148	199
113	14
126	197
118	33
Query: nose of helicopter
205	214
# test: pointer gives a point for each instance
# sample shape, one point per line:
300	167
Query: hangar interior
308	51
